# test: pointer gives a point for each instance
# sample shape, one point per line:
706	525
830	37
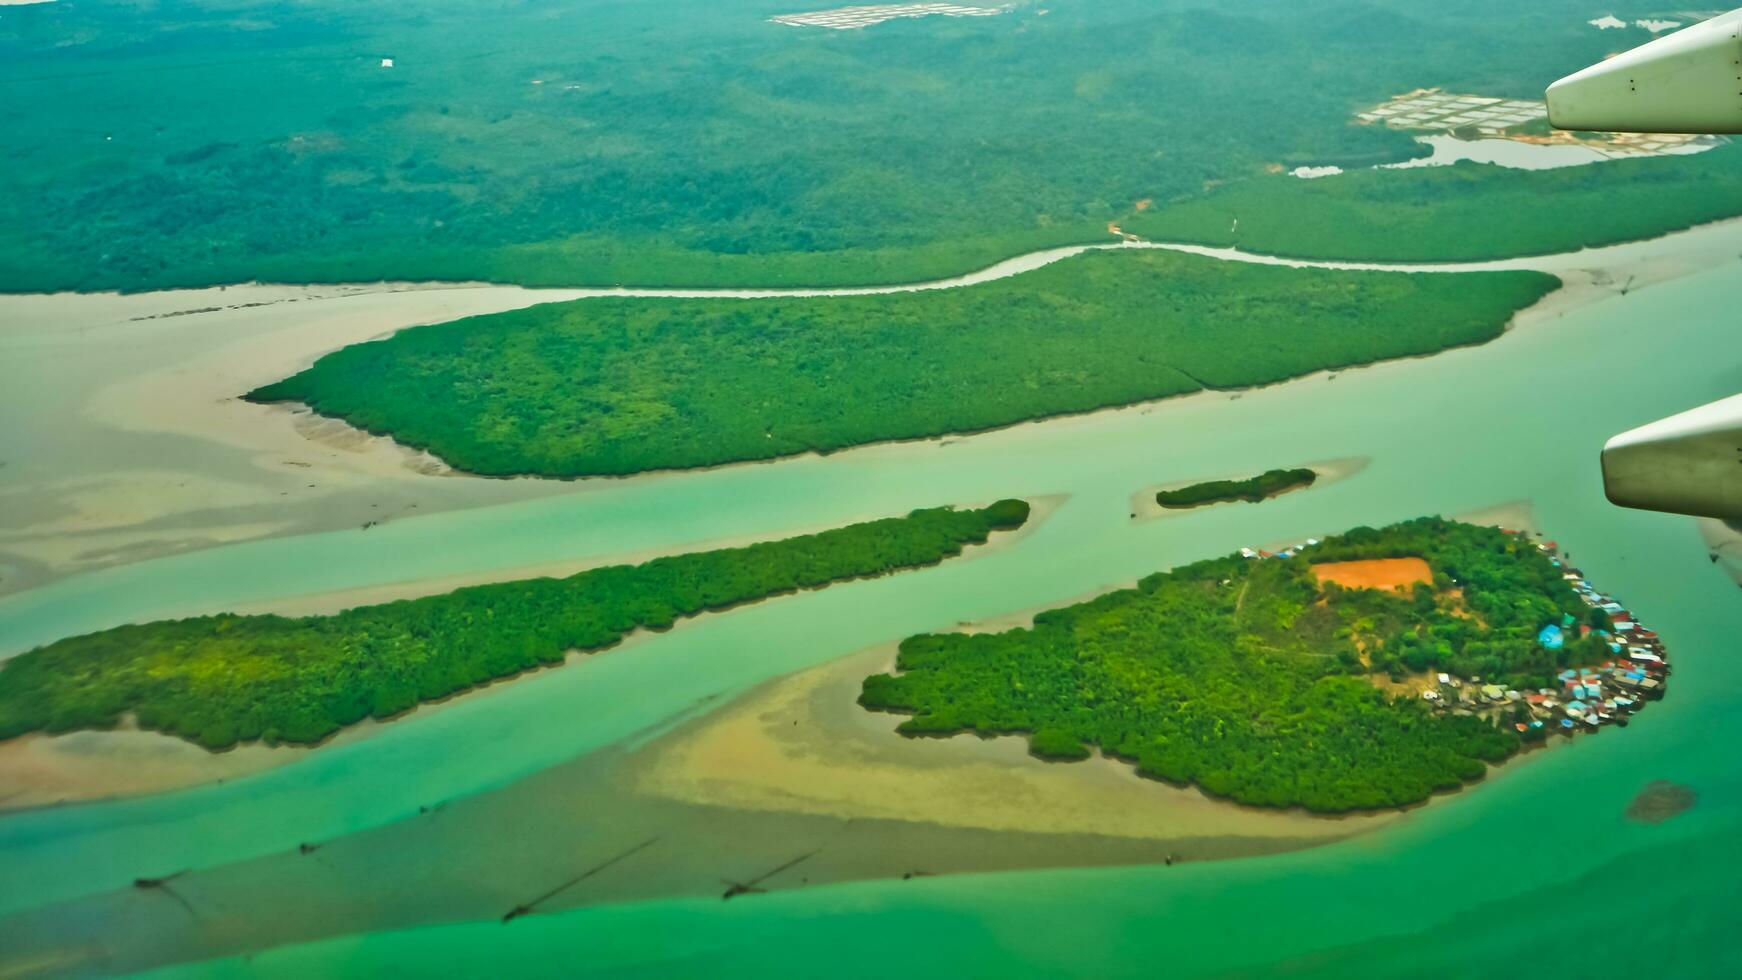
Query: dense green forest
1264	485
1462	212
691	142
1243	676
220	680
612	386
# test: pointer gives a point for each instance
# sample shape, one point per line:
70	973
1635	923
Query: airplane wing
1686	82
1686	464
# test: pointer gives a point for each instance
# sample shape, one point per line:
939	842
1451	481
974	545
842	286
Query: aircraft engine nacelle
1686	82
1686	464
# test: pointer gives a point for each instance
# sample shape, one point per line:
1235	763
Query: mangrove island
618	385
1367	670
224	679
1261	487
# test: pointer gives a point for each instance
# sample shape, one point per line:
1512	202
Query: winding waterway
137	446
1516	420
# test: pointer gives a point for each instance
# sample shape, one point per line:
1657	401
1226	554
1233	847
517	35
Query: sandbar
801	744
139	446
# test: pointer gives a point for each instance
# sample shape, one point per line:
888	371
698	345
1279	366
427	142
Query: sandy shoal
139	445
43	770
801	744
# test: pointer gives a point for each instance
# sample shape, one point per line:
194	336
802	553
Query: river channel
1515	422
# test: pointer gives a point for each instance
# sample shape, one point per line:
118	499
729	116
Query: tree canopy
1246	677
694	143
1463	212
622	385
1252	490
220	680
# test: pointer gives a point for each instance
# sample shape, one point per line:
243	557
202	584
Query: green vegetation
1462	212
612	386
691	142
1261	487
1245	676
220	680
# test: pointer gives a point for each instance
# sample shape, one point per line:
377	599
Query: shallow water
1447	150
137	447
1516	420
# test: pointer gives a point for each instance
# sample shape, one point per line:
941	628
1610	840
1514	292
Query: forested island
702	145
610	386
1249	677
1252	490
1463	212
220	680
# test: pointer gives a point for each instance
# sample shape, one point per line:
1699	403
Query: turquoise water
1517	420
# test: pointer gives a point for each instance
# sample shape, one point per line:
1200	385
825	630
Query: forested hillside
1244	676
220	680
692	142
612	386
